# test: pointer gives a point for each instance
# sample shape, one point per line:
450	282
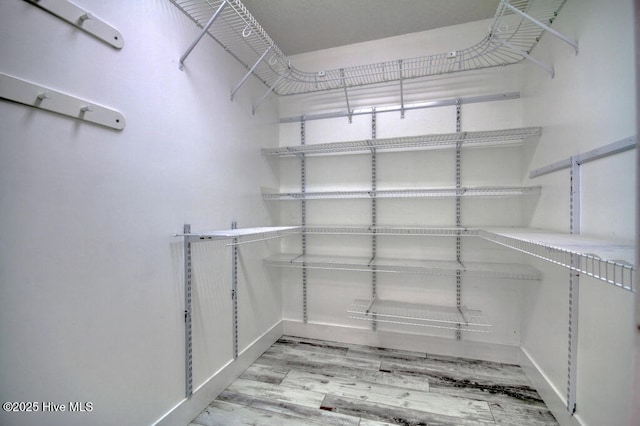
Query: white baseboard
551	396
187	409
404	341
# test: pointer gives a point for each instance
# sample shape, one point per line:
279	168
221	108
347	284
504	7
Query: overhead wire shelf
607	261
405	266
395	312
516	28
432	141
486	191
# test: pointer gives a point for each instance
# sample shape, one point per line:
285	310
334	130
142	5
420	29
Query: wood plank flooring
311	382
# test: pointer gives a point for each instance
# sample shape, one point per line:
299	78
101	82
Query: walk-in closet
318	212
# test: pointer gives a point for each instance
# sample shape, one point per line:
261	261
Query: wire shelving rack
607	261
480	191
431	141
516	29
405	266
394	312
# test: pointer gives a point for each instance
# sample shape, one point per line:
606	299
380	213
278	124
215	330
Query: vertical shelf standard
237	236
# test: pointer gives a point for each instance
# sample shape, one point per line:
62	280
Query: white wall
589	103
91	293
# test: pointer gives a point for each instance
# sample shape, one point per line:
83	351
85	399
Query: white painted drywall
91	281
590	103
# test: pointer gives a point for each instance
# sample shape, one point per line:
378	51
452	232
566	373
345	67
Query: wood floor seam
300	381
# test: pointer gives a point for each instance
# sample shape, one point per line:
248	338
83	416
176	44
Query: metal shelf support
204	31
346	95
271	89
266	52
401	90
374	218
526	55
188	356
234	291
303	219
459	213
574	290
545	27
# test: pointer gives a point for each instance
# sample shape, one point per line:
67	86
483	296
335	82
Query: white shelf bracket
82	20
202	33
40	97
346	95
271	89
233	92
545	27
401	90
524	54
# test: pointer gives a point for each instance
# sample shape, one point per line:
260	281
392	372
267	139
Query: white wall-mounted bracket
233	92
40	97
346	95
545	27
271	89
401	90
525	55
202	33
83	20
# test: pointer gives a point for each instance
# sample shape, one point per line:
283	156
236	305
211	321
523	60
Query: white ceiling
299	26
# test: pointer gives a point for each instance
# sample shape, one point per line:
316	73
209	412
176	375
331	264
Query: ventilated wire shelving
607	261
391	230
516	28
449	318
242	235
405	266
432	141
480	191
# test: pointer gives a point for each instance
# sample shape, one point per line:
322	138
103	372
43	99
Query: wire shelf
391	230
405	266
396	312
433	141
511	37
604	260
257	234
486	191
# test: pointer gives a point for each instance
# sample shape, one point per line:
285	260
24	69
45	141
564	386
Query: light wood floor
312	382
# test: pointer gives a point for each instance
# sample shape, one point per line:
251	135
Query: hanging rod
516	29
